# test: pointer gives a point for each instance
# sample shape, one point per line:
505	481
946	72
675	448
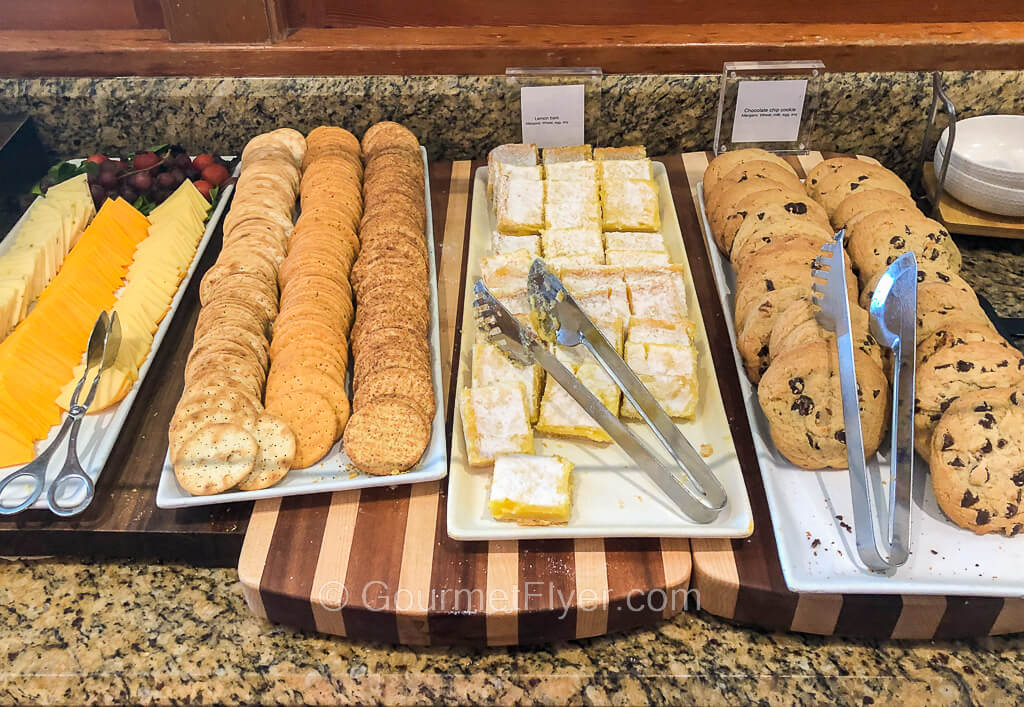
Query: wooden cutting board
958	217
378	564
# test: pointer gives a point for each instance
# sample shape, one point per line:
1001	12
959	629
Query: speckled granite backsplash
880	114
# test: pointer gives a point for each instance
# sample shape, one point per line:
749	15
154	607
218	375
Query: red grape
108	180
98	194
141	181
145	160
165	180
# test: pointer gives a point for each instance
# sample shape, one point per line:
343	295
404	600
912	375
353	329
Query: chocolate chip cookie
878	239
801	397
727	161
861	203
977	461
955	371
797	326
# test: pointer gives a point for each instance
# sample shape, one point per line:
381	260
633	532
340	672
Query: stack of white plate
986	168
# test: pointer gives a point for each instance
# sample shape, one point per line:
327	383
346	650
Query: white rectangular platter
335	472
812	511
611	497
100	431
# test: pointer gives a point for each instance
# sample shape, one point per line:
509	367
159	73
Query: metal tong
698	493
893	317
104	343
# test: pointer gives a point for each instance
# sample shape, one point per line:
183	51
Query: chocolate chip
1018	478
742	214
984	407
742	179
874	393
810	441
947	441
964	366
890	260
958	463
907	229
1001	443
968	500
1011	510
796	207
862	177
803	405
983	517
854	186
769	285
796	385
763	351
1017	527
898	242
945	365
942	276
760	216
987	447
1002	364
944	405
840	436
934	255
987	421
1013	398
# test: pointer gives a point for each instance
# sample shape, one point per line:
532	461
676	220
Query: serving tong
689	482
104	343
893	322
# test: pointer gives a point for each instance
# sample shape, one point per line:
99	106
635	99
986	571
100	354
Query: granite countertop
127	632
136	632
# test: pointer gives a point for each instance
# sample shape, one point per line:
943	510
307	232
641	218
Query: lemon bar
515	299
663	356
561	415
491	366
572	171
500	243
560	242
519	204
626	169
531	490
504	271
656	292
501	169
495	421
561	262
510	155
636	257
632	240
630	152
571	204
630	205
574	153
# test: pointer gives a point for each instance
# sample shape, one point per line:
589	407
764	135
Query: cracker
215	458
276	453
311	419
387	436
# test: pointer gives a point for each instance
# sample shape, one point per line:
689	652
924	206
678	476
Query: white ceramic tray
611	497
812	511
100	431
334	472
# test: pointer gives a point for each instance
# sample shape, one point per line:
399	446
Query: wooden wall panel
482	50
80	14
224	21
501	13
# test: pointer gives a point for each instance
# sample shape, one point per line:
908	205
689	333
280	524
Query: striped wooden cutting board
378	564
